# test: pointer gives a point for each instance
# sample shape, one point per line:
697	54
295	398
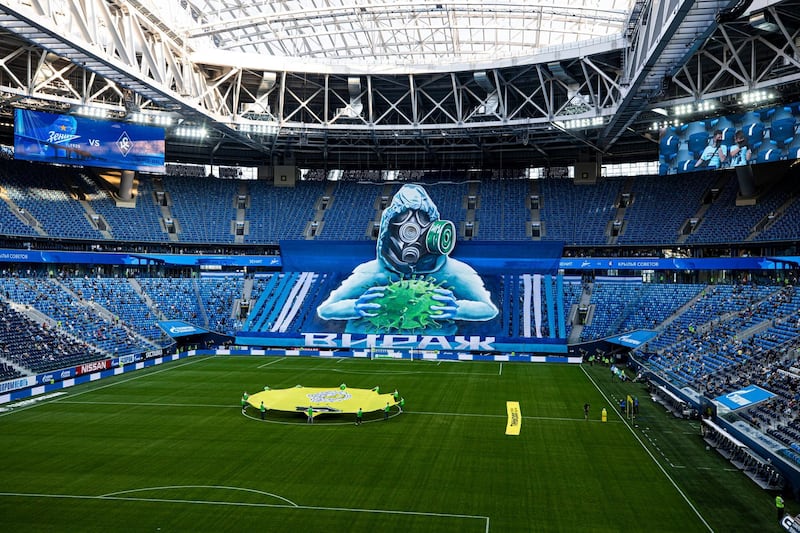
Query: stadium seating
754	133
37	347
697	142
782	132
576	214
661	205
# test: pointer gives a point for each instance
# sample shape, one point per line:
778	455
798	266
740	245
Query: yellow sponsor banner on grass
514	418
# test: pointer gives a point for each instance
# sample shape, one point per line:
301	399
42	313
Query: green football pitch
169	449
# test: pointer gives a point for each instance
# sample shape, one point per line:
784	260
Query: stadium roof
379	84
396	32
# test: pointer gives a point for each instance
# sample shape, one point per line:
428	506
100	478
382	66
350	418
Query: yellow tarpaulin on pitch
322	400
514	418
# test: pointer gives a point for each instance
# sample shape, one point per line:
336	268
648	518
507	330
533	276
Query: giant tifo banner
413	289
73	140
760	136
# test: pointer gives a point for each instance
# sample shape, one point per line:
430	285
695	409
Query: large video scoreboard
72	140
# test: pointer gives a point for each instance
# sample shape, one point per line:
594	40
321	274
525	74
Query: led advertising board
760	136
66	139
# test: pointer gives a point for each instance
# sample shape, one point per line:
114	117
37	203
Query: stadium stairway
97	221
137	287
24	217
682	309
200	306
770	219
108	317
585	301
246	296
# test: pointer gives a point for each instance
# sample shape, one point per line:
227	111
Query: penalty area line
484	519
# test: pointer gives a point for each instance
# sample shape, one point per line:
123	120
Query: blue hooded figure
413	248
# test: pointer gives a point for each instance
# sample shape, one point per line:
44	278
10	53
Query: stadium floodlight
658	126
705	106
702	106
581	123
191	132
756	97
152	119
91	111
259	128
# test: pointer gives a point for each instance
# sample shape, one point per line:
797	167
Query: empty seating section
727	222
350	211
573	290
278	213
610	300
118	296
139	223
41	191
504	210
660	206
786	227
656	303
204	208
10	224
7	371
450	198
578	214
627	306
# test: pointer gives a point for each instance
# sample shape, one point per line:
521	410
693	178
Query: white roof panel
391	32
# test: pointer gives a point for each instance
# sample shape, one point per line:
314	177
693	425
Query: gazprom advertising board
746	397
66	139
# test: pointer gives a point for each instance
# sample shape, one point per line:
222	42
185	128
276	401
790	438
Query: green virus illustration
406	308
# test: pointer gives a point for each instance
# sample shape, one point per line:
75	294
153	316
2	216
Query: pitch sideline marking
646	449
243	504
389	373
93	389
272	362
426	413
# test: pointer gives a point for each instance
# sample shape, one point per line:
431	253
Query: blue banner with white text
74	140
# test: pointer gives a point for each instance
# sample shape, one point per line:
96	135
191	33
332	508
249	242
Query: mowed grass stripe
448	455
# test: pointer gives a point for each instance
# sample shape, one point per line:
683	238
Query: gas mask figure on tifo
412	255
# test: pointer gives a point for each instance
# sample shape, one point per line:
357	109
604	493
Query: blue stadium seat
668	148
728	134
755	135
766	114
697	143
782	131
769	153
